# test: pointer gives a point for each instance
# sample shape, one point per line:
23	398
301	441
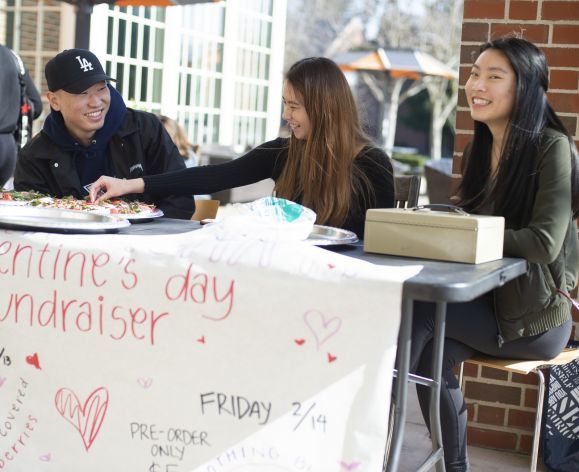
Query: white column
171	61
276	71
98	31
229	73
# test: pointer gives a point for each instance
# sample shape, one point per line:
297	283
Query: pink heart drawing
86	419
45	457
145	383
322	328
349	465
2	380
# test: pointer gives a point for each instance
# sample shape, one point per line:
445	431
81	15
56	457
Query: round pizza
117	206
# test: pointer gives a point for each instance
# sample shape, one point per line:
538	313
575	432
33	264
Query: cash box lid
429	218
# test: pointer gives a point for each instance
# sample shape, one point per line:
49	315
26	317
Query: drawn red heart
299	342
86	419
201	340
33	360
331	266
331	358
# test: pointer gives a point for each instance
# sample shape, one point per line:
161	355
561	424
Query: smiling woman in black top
327	164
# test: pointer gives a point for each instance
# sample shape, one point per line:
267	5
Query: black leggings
470	328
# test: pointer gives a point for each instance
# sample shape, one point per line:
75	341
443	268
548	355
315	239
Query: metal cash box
448	236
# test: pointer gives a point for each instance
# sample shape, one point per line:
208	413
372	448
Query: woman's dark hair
513	195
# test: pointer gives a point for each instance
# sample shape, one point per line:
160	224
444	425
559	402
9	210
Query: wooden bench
526	367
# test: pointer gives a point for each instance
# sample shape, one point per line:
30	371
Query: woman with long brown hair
327	164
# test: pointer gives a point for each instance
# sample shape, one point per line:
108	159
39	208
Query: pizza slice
19	197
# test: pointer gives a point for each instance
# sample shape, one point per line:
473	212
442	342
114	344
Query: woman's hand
109	187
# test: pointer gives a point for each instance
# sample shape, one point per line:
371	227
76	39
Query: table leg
403	365
438	349
402	378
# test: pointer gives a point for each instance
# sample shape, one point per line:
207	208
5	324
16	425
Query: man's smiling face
84	113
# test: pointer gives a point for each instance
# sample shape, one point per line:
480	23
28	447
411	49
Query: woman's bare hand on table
108	187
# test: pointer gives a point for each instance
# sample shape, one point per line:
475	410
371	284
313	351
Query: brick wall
501	408
501	405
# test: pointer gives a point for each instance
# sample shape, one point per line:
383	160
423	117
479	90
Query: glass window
132	83
215	135
159	44
120	76
217	96
134	40
263	129
146	38
121	40
219	57
110	31
9	37
267	59
189	89
144	83
197	91
186	52
267	40
157	85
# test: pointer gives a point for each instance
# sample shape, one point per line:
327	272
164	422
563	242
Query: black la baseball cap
74	71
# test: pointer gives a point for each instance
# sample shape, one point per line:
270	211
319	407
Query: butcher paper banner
184	353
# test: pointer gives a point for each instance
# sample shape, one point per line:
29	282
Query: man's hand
109	187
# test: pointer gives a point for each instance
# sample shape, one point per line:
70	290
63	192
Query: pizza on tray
115	206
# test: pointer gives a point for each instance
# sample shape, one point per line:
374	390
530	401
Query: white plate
328	236
145	215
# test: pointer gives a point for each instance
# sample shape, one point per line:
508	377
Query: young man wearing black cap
90	132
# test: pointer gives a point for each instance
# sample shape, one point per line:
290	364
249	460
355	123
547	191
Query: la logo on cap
85	65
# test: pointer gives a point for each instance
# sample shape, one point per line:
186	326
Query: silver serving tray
328	236
13	203
59	221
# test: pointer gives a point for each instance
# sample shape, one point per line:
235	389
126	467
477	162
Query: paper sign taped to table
185	353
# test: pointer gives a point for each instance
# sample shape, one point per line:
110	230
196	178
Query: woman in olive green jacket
522	165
